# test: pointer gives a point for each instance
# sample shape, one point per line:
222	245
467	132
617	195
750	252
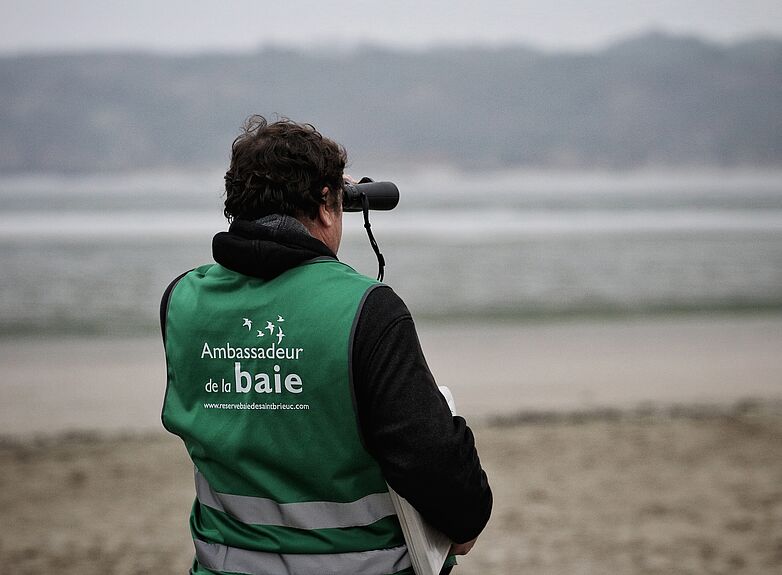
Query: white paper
427	546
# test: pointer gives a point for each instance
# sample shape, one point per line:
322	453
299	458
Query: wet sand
56	385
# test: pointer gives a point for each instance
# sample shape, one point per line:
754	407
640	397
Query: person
299	386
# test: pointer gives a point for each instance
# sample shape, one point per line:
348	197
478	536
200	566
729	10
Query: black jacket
425	454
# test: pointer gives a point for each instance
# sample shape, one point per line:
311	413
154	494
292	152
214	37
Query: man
299	387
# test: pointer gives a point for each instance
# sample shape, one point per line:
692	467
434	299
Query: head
286	168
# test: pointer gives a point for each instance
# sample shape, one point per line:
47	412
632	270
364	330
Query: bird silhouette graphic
248	323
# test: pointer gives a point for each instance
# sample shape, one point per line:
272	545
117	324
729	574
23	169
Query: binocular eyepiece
377	195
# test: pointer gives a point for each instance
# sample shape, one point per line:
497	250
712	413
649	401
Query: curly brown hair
282	168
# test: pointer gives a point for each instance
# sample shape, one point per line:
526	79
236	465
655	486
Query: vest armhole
164	303
351	344
163	317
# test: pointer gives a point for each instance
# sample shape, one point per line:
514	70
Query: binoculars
369	195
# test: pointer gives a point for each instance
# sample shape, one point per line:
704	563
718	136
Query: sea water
92	254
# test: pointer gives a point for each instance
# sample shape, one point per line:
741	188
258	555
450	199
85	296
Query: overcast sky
195	25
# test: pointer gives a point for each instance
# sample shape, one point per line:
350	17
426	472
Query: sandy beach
625	446
632	494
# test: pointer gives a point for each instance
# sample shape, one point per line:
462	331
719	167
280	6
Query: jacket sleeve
427	455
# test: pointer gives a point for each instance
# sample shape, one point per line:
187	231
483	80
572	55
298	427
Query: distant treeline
652	100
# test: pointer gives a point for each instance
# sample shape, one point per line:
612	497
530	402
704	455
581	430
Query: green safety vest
259	389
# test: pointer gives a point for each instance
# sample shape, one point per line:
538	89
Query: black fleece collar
265	251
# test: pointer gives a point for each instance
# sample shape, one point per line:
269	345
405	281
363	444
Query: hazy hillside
655	99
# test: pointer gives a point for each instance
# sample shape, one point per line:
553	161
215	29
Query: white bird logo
270	327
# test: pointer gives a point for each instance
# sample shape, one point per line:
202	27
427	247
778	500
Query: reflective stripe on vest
307	515
231	559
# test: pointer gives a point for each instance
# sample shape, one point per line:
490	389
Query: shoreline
495	370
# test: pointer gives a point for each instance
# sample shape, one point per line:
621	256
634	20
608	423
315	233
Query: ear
326	216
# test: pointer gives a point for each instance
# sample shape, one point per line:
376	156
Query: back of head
282	168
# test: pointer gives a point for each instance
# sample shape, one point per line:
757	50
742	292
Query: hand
462	548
